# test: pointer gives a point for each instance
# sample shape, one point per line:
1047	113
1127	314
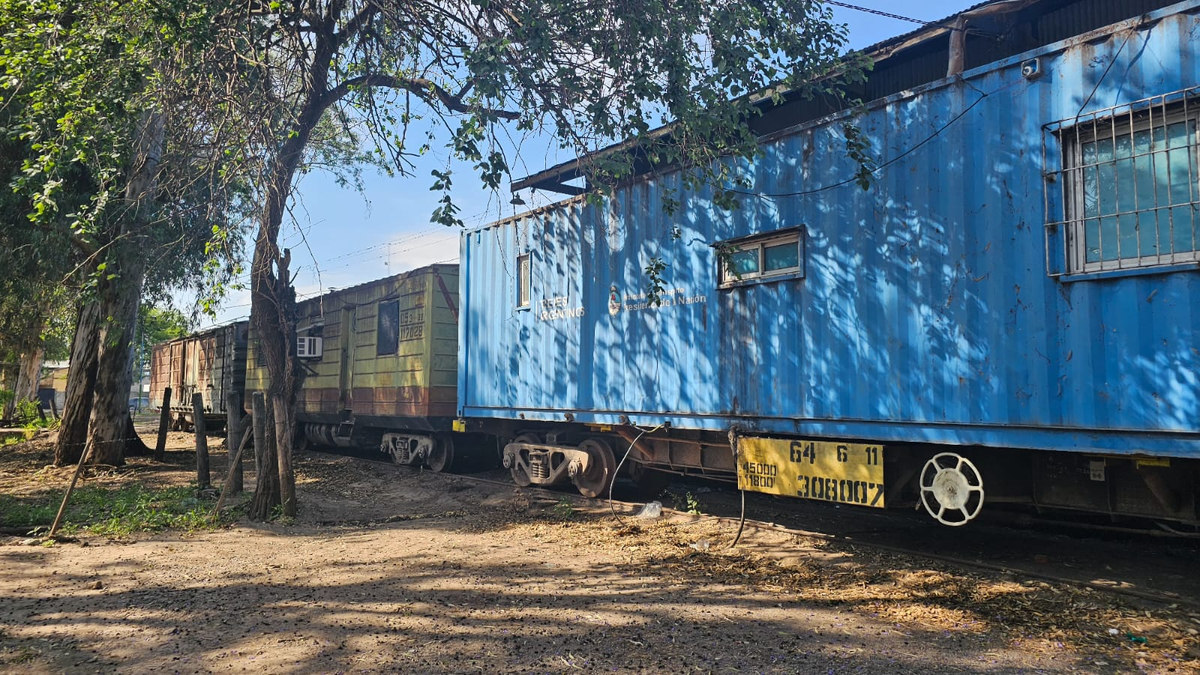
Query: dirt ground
393	570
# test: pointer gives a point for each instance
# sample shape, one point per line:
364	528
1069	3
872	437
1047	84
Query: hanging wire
876	170
733	443
616	473
877	12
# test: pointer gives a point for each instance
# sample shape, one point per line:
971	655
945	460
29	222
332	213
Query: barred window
1130	185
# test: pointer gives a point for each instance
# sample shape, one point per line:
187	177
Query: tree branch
355	24
427	90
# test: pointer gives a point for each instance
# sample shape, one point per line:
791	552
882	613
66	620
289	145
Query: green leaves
470	73
446	212
655	285
858	148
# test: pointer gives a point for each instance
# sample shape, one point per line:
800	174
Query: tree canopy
180	119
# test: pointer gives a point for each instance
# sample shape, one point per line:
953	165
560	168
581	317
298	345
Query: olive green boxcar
379	366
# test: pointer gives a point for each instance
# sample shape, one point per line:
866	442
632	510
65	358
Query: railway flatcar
380	367
211	363
1011	312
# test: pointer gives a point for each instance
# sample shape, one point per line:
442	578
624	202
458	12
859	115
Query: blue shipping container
947	304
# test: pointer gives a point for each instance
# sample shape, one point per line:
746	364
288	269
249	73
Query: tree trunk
26	386
31	370
110	410
120	294
266	469
273	302
285	422
272	297
81	384
134	445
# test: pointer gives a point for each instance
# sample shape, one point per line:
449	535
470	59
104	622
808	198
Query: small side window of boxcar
387	337
762	258
523	280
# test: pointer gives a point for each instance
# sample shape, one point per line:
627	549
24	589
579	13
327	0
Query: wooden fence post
62	508
164	420
233	424
287	480
236	459
258	408
202	477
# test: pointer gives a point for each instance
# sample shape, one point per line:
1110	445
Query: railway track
1133	564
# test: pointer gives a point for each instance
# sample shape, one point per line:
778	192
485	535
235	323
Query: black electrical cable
733	443
876	12
741	521
1103	75
616	473
897	158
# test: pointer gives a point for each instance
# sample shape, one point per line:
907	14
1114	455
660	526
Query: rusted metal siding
416	378
212	363
927	313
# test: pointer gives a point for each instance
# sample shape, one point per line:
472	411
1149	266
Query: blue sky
341	238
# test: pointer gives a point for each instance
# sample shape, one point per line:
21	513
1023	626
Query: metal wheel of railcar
520	465
441	454
602	466
951	489
301	441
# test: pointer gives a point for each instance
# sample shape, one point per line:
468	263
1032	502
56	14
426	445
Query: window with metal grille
1129	185
523	280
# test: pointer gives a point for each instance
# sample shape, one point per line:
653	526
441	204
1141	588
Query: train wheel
601	468
951	489
441	454
648	483
301	442
520	464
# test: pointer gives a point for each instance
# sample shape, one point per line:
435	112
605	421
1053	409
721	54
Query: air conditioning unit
309	347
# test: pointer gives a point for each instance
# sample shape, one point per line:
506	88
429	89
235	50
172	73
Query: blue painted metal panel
926	313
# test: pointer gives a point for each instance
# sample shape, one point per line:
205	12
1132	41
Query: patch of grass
112	511
22	513
687	503
30	417
563	510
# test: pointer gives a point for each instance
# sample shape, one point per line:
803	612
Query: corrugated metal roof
1060	20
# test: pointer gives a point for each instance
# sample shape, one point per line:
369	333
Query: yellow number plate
847	473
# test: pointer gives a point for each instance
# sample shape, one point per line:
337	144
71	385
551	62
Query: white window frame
729	279
524	281
1115	126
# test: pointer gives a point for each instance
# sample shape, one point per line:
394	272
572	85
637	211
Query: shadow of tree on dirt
410	612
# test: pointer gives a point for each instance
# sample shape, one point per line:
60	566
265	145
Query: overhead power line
876	12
